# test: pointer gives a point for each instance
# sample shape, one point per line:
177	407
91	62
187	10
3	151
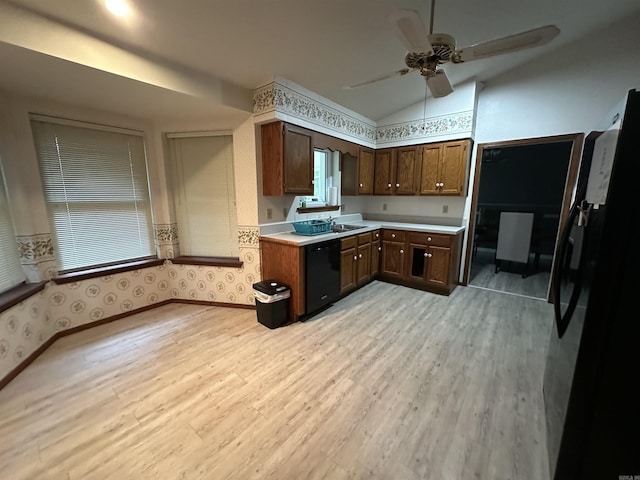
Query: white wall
569	92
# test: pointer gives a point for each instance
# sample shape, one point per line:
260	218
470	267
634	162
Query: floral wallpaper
27	325
275	96
248	236
456	123
37	256
166	239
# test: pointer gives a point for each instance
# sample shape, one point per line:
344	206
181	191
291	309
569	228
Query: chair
514	239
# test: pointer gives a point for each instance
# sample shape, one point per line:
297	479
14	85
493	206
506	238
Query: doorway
530	179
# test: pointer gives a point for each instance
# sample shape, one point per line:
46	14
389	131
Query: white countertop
368	226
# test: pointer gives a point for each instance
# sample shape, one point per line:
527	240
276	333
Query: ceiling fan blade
519	41
439	84
412	32
397	73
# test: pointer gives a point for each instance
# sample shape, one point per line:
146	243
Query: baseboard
4	381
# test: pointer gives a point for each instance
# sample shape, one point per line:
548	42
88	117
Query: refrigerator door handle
563	319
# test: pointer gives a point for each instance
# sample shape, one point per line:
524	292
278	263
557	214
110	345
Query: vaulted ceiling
204	57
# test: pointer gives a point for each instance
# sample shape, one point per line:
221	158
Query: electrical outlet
269	213
384	207
445	208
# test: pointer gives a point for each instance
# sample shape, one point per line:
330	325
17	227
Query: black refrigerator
592	373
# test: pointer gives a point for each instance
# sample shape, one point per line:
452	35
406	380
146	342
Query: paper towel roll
332	195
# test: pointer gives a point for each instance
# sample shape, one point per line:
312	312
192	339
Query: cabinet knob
428	239
377	235
426	254
312	181
429	255
355	257
401	251
397	185
361	185
379	249
388	185
360	255
393	235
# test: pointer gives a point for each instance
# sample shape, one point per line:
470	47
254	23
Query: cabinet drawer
348	242
375	235
364	238
425	238
393	235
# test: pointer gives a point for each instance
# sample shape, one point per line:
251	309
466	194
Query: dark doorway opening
532	177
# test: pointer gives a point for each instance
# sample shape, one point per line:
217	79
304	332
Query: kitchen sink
344	227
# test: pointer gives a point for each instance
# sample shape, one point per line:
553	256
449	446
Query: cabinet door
348	174
365	171
375	258
272	161
384	166
429	178
407	170
453	168
393	258
348	263
363	264
298	160
437	273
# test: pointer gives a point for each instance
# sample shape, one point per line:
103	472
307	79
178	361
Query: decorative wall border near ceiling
460	123
279	98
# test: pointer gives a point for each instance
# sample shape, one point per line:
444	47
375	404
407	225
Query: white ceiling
322	45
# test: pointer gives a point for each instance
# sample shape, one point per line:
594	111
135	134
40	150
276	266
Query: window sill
19	293
233	262
326	208
106	270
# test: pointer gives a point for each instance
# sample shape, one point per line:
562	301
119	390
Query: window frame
145	201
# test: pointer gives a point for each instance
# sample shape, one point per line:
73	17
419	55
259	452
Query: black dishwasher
322	267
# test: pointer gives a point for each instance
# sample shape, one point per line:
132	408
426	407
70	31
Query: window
204	192
323	175
11	273
320	160
96	190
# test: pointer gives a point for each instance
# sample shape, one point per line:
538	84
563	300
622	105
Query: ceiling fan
427	51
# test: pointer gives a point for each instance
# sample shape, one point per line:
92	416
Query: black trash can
272	302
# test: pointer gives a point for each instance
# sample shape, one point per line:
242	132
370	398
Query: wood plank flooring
389	383
483	275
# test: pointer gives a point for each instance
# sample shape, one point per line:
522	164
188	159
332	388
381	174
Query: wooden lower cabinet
348	264
363	262
423	260
355	261
393	260
376	250
285	263
428	261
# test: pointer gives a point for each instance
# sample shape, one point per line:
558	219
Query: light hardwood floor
389	383
483	275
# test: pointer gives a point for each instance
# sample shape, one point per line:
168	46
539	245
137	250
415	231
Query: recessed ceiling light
117	7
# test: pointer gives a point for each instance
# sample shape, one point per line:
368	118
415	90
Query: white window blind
11	273
97	194
205	195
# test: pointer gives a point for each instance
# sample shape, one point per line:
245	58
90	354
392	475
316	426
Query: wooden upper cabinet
407	172
366	171
454	167
445	168
430	163
356	173
384	168
287	159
